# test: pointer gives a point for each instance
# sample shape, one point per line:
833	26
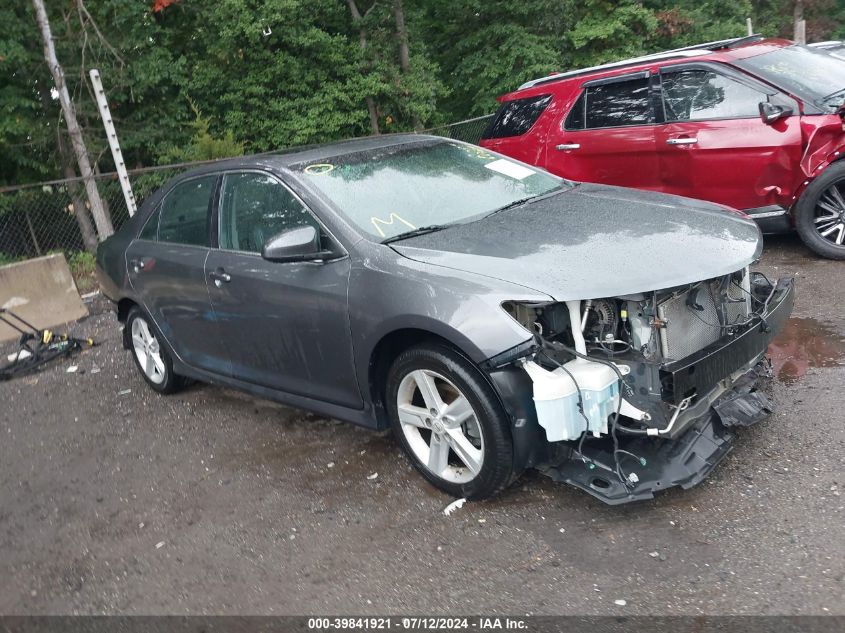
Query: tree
103	222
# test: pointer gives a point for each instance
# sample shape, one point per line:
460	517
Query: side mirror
770	113
293	245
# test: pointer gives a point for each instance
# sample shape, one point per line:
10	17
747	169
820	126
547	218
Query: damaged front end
629	395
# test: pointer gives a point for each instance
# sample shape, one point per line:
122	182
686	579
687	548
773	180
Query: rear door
166	267
608	135
285	324
714	145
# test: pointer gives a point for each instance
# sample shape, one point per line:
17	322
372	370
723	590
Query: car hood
594	241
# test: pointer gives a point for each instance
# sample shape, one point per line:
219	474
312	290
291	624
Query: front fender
824	145
389	292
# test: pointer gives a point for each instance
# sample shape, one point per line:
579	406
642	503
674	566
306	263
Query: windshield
401	188
809	73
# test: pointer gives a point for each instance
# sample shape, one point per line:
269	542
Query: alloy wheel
830	215
147	351
440	426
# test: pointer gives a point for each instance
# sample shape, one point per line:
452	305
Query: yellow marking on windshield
389	222
480	152
319	168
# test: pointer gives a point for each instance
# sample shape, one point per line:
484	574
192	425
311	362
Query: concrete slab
40	290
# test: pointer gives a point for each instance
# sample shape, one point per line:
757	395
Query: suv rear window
516	117
615	104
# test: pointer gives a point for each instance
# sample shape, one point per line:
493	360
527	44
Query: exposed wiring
623	478
584	458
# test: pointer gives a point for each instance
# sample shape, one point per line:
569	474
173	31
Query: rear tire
150	354
820	213
449	422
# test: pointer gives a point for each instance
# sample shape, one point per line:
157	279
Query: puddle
805	343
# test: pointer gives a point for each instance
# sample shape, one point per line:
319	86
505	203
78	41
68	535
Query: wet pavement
803	344
116	500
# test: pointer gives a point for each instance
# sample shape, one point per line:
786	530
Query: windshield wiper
534	198
414	232
839	93
510	205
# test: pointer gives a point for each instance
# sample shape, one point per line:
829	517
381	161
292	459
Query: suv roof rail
686	51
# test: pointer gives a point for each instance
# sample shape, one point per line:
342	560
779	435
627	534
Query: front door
166	268
714	145
608	135
286	324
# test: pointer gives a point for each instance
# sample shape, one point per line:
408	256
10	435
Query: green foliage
202	145
272	73
5	258
82	263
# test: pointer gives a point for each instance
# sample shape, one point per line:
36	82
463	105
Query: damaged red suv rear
755	124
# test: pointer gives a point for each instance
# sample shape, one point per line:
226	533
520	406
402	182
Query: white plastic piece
577	335
556	398
630	411
587	306
457	503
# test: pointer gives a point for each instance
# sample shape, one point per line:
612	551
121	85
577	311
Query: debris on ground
449	509
373	476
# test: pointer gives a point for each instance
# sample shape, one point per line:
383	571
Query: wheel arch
834	157
385	351
124	306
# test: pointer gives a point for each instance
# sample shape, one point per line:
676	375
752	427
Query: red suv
752	123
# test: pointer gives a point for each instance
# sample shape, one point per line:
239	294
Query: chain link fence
469	131
42	218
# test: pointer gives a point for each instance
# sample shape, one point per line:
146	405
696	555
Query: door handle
687	140
564	147
137	265
220	277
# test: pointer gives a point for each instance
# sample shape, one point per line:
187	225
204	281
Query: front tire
150	354
820	213
449	422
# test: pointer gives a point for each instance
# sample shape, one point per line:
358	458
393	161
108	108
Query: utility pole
111	133
749	26
104	225
800	25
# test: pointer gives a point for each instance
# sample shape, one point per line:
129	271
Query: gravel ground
116	500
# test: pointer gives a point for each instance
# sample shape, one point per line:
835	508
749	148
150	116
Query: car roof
286	158
720	51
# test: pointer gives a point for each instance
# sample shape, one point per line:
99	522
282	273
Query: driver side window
255	207
699	95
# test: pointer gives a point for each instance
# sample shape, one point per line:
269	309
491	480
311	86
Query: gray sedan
496	317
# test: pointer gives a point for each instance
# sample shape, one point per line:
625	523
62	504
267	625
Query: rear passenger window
575	118
697	95
185	212
516	117
150	230
614	104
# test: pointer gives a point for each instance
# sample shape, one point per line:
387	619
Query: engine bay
625	349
